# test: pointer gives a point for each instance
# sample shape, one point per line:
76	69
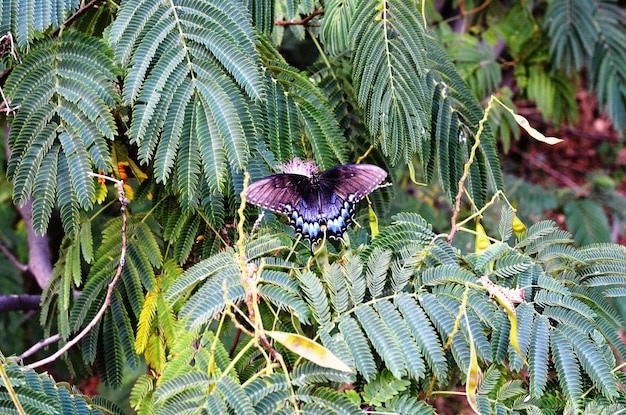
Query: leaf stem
107	300
466	170
9	387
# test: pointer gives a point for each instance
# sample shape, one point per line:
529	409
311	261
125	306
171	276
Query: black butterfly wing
353	181
338	190
321	212
311	210
280	192
319	206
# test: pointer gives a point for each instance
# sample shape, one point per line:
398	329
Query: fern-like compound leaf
65	91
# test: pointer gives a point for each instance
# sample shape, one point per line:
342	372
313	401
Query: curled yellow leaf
482	241
518	226
506	297
473	379
373	221
309	349
523	122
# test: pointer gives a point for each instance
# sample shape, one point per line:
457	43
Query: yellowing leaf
518	226
523	122
506	297
474	375
473	378
146	318
309	349
128	192
482	241
373	221
139	174
155	353
100	194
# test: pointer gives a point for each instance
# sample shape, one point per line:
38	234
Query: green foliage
192	107
111	343
192	103
40	394
389	73
593	217
588	220
546	45
294	101
199	95
383	388
65	93
392	330
592	33
27	20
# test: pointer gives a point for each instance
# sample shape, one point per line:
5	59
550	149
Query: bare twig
464	12
38	346
75	16
250	274
552	172
306	22
39	264
8	39
123	201
12	258
466	171
5	106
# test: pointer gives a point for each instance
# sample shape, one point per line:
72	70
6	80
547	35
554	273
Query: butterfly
318	205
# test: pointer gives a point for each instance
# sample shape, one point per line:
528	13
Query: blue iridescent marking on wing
319	206
329	215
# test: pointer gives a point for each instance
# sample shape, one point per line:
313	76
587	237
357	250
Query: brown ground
590	144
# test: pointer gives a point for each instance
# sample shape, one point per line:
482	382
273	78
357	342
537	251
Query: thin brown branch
75	16
107	300
8	41
39	264
38	346
472	11
306	22
466	172
5	106
12	258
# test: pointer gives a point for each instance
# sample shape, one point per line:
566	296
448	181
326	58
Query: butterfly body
318	205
